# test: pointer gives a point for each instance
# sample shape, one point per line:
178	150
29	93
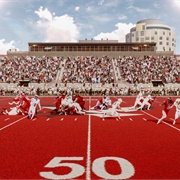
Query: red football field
88	147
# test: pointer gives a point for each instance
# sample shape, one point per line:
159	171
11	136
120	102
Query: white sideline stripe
88	161
15	122
162	121
12	123
5	98
91	99
6	119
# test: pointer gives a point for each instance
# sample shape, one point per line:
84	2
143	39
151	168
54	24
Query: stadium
103	109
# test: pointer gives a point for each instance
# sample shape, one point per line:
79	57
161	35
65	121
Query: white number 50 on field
98	167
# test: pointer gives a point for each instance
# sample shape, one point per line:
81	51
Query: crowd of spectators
90	89
35	69
144	70
89	69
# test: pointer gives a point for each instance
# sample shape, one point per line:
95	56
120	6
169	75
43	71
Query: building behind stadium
153	30
150	37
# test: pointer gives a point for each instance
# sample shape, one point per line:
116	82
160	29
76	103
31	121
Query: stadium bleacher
89	75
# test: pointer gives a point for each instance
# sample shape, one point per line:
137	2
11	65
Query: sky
23	21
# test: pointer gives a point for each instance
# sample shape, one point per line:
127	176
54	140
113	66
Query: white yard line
6	119
12	123
16	122
162	121
88	161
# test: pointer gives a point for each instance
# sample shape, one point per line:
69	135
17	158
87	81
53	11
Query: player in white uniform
14	111
68	103
177	113
99	103
32	110
107	102
112	111
146	102
138	100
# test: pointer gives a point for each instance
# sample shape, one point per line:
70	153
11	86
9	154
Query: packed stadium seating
91	75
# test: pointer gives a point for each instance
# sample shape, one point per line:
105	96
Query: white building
153	30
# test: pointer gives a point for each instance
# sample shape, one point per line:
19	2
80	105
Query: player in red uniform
58	103
25	102
79	99
16	100
167	105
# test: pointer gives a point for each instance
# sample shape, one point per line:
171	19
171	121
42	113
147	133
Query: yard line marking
6	119
48	119
5	98
12	123
162	121
88	161
144	119
62	119
91	99
15	122
130	119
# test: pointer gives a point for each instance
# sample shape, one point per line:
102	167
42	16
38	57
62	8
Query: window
160	38
160	43
155	32
142	33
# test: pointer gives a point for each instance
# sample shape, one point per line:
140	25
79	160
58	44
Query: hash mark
6	119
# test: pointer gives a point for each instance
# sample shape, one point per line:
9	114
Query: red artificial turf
134	147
